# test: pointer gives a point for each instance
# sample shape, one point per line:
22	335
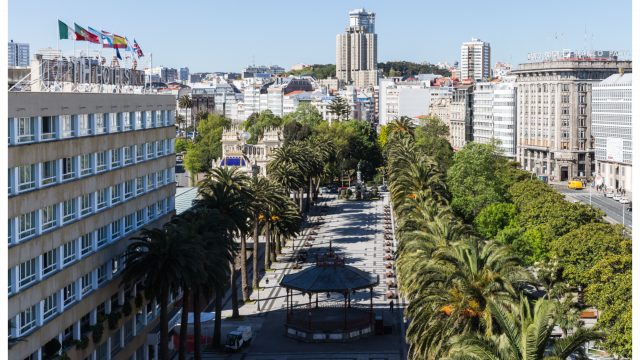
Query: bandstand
330	320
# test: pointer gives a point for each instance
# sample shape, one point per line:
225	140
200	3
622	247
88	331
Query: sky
224	35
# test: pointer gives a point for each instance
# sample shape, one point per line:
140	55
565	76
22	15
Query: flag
87	36
130	48
107	39
65	32
95	32
136	47
118	54
119	42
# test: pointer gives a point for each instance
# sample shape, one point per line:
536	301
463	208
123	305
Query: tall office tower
18	54
611	117
357	51
554	115
86	171
184	74
475	60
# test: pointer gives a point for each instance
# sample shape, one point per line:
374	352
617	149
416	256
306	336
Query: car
617	197
382	188
609	194
324	190
624	201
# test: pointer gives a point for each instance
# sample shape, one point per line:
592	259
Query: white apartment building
409	98
475	60
86	172
612	127
494	114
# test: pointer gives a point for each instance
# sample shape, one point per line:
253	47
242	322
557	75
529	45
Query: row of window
44	128
33	270
28	177
49	217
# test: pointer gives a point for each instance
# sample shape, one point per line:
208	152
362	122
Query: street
612	208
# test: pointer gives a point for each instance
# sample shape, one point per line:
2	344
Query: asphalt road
611	208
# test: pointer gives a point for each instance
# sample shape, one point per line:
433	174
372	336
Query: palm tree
185	103
159	259
288	167
449	291
402	126
526	336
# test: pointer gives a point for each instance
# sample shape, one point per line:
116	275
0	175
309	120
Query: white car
609	194
624	201
324	190
617	197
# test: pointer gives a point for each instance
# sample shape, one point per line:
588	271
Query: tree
182	145
207	145
526	336
340	108
494	218
256	124
407	68
476	179
318	71
185	103
158	259
432	139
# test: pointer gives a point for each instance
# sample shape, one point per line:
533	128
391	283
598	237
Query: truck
237	338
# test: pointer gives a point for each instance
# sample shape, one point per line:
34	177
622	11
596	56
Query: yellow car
575	184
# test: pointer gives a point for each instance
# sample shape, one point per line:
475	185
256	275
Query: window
129	223
101	161
150	181
115	158
116	194
159	178
85	164
101	201
68	252
68	210
127	121
48	130
102	236
68	168
101	123
26	225
49	217
115	123
139	185
128	189
26	129
86	283
140	218
86	244
86	204
160	206
26	177
159	148
49	172
115	229
50	306
27	273
27	320
85	125
49	261
150	150
115	266
68	128
102	274
139	120
140	152
151	211
128	155
69	294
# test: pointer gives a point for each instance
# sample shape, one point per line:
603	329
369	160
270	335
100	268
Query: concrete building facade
475	60
494	114
86	172
461	129
18	54
357	51
611	127
554	115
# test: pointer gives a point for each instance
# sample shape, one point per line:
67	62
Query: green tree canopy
318	71
494	218
256	124
207	145
340	108
432	139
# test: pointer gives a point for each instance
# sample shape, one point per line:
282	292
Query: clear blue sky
227	35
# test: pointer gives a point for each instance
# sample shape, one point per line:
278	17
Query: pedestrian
391	305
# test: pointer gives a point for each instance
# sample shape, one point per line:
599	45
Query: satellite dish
245	135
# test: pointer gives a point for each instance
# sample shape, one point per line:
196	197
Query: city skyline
242	46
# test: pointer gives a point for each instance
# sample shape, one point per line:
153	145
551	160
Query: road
612	208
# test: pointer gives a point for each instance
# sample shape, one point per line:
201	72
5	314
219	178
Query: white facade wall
475	60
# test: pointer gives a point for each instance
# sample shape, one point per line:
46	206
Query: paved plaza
355	230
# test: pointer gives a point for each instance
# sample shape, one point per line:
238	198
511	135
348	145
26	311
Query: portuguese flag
88	36
65	32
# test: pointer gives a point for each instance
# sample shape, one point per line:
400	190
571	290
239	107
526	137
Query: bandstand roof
330	277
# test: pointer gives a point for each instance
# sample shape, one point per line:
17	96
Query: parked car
324	190
575	184
624	201
609	194
617	197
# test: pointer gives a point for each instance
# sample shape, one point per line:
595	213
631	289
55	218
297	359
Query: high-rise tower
475	60
357	50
